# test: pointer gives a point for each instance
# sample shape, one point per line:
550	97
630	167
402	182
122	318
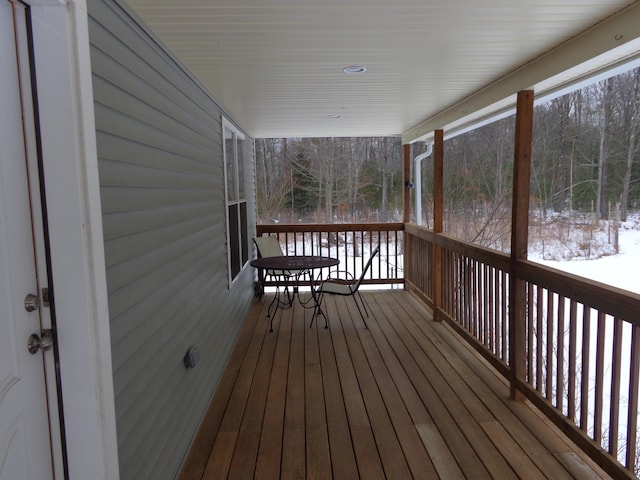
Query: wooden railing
581	339
350	243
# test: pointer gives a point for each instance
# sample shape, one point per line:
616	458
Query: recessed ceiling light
354	69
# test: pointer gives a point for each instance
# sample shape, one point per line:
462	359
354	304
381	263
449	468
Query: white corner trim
65	99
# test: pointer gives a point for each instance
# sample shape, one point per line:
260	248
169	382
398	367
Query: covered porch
524	371
407	398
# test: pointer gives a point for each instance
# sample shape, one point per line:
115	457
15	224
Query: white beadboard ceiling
276	65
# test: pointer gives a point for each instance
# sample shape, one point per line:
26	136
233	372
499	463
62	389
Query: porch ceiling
276	66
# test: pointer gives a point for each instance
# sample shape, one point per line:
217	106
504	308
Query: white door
25	444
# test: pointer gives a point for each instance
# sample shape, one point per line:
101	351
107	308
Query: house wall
162	190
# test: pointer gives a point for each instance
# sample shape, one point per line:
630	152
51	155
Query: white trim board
65	100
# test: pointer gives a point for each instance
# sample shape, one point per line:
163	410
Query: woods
585	162
329	179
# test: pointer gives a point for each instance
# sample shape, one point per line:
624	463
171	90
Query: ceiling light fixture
334	115
354	70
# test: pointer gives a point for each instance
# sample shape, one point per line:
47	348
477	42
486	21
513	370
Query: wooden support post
406	206
438	221
406	157
519	238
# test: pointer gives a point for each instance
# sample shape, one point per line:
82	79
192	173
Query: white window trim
227	125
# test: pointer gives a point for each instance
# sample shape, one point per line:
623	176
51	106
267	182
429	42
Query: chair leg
258	289
317	310
359	310
364	303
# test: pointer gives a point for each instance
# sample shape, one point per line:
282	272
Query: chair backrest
268	246
366	267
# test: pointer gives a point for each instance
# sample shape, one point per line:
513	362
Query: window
235	196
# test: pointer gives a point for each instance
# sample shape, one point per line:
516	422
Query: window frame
236	203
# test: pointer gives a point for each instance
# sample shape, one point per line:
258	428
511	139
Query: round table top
294	262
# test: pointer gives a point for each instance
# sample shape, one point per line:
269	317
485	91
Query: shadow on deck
406	398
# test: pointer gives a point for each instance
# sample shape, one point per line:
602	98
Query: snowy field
621	270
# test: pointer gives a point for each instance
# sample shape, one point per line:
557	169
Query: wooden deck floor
404	399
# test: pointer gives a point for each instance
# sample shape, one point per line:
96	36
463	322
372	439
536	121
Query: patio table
293	268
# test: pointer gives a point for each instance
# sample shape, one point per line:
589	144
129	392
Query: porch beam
519	238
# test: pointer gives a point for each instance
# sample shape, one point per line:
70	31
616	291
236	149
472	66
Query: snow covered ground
621	270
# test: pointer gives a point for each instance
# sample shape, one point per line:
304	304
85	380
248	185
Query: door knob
37	343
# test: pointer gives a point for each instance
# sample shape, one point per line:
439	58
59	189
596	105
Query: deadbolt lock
31	302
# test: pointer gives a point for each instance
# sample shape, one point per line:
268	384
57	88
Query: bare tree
273	177
605	138
632	148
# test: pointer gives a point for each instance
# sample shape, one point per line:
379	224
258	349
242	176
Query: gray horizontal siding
162	191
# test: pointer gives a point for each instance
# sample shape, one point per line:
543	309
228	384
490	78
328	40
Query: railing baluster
549	326
539	335
398	266
632	412
462	282
505	318
448	284
386	243
614	415
448	280
478	294
353	256
498	282
471	296
584	374
572	380
599	381
490	310
530	335
459	289
560	349
483	305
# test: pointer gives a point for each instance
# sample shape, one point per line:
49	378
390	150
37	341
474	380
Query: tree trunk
631	149
559	198
385	180
603	161
328	194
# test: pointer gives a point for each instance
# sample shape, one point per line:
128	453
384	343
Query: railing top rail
328	227
614	301
495	258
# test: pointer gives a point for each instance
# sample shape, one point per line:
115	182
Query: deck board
406	398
